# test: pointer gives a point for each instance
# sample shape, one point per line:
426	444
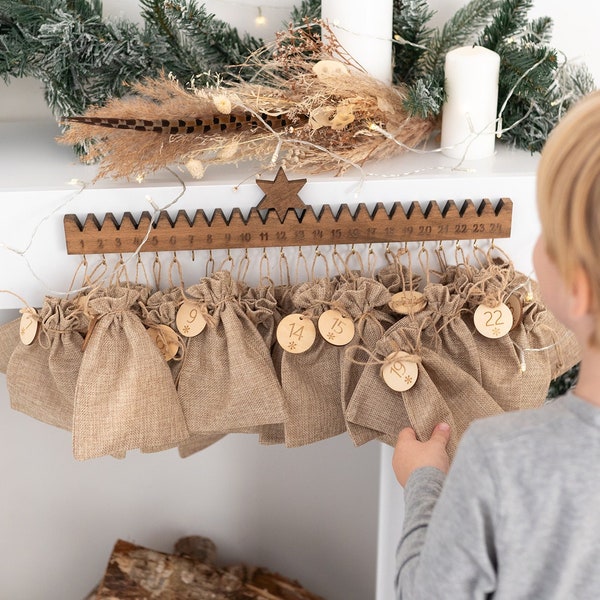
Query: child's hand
410	454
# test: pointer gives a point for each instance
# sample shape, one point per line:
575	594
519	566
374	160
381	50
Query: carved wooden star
281	193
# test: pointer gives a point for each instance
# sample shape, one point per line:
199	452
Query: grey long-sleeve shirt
517	517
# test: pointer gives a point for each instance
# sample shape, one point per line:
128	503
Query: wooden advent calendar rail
282	219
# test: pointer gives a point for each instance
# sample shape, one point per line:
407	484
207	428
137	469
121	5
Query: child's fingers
441	434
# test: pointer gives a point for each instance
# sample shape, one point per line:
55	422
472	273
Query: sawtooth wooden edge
295	227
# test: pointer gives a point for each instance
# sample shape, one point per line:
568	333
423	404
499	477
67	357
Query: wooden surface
270	228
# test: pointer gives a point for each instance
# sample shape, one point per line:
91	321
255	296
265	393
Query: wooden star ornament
281	194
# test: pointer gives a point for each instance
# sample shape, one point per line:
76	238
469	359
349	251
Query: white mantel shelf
35	172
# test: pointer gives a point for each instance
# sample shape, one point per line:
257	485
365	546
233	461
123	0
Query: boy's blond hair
568	197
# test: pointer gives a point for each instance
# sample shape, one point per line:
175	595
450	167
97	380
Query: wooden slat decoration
290	227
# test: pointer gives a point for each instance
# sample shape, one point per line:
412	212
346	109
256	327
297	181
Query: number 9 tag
189	320
493	322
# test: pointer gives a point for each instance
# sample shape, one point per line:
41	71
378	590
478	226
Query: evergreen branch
510	18
424	98
412	37
309	10
539	31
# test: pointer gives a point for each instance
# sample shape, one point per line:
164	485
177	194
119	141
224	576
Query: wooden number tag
336	328
398	374
189	320
515	305
408	302
493	322
29	326
296	333
166	340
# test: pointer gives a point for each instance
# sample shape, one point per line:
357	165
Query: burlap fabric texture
435	339
116	392
9	340
125	397
311	381
516	369
227	380
41	377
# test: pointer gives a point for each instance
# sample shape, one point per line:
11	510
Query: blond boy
518	515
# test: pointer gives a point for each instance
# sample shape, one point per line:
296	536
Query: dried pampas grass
315	113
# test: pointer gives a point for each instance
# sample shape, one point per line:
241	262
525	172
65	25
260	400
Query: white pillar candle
364	30
469	112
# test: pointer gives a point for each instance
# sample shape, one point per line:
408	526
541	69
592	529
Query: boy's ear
581	294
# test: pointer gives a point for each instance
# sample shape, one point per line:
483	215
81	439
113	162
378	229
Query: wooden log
135	572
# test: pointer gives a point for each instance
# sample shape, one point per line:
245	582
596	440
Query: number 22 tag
493	322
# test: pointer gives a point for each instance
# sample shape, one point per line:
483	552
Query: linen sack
125	397
546	347
311	380
227	381
41	377
502	373
442	391
283	294
9	340
365	301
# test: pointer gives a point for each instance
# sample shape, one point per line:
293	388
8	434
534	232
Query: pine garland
84	60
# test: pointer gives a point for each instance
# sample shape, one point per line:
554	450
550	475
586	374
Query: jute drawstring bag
445	330
41	377
160	309
440	392
283	294
125	397
9	340
227	381
311	380
489	290
545	347
365	301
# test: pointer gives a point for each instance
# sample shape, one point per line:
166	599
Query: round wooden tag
408	302
189	320
336	328
166	340
296	333
515	305
493	322
398	374
29	325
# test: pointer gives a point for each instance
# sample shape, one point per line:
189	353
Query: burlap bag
502	372
161	309
365	301
311	380
125	397
442	392
283	294
42	376
444	330
546	348
9	340
227	381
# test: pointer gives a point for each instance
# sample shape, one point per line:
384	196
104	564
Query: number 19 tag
398	373
493	322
